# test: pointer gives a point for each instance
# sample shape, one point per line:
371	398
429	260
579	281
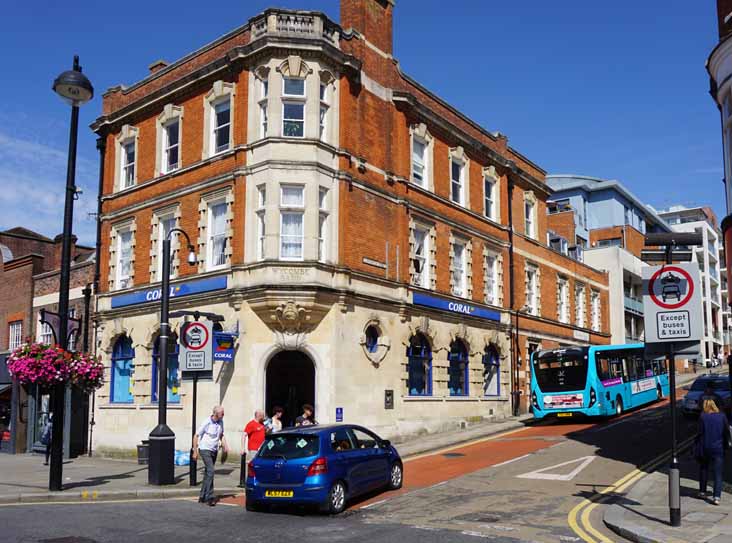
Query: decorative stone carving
461	332
290	317
294	66
382	346
422	325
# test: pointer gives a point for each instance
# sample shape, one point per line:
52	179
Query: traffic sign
672	303
196	346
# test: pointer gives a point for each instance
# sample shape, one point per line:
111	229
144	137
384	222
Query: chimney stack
158	65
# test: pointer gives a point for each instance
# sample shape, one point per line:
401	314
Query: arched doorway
290	384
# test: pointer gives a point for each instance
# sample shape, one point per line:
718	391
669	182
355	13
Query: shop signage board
462	307
672	303
223	346
196	346
177	290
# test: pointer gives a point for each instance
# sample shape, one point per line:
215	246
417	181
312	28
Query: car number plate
278	493
564	414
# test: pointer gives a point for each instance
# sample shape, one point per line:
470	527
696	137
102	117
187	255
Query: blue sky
616	91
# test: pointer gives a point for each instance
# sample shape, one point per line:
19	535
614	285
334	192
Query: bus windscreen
561	372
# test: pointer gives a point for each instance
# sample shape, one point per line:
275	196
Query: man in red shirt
254	432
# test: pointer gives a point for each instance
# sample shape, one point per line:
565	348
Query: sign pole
674	477
193	474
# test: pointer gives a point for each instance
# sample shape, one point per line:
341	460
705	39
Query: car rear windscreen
290	446
700	385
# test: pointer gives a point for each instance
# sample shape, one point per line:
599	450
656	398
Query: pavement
25	478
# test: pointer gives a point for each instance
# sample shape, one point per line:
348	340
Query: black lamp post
75	89
162	439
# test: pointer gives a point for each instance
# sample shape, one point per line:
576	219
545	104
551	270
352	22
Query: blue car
323	466
719	384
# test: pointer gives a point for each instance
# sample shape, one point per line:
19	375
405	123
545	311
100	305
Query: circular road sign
195	336
664	286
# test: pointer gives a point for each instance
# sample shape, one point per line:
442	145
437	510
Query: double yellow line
579	517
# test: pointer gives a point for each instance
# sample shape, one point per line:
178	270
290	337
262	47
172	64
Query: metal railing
633	304
295	24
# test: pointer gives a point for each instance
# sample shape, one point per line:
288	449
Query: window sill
422	398
461	399
118	406
174	406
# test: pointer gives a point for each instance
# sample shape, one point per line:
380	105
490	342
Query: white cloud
32	188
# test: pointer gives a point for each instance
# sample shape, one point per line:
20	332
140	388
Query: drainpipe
515	346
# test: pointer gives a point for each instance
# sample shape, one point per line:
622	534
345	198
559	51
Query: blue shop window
491	372
419	366
458	370
173	373
123	366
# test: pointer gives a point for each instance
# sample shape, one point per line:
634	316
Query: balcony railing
634	305
295	24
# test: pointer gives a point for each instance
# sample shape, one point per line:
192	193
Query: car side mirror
385	443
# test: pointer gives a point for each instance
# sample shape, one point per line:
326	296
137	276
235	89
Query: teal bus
594	381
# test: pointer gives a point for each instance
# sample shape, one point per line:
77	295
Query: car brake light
250	470
319	467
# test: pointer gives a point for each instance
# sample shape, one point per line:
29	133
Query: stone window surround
595	311
490	174
420	132
127	224
563	280
225	194
219	92
498	279
580	309
530	198
169	114
458	154
126	134
261	77
456	238
414	223
531	267
155	266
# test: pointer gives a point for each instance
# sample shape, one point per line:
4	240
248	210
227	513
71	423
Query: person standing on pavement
712	442
254	431
307	418
206	443
274	423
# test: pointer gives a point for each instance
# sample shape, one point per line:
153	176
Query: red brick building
381	254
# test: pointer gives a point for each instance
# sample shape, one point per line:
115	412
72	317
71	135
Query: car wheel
396	476
618	406
336	501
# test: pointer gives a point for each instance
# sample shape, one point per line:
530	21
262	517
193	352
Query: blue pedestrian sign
339	414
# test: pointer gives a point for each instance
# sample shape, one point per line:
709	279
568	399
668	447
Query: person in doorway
712	442
307	418
274	423
47	436
206	443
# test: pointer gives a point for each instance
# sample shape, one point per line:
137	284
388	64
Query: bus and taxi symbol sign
672	303
196	346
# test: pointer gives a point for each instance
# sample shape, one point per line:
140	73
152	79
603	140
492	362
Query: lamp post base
161	468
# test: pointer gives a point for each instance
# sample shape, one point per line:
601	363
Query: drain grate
452	455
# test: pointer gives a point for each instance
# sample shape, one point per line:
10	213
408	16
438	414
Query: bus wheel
618	406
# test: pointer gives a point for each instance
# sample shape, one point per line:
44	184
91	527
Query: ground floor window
419	356
491	372
172	370
123	357
458	369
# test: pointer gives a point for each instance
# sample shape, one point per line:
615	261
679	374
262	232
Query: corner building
350	226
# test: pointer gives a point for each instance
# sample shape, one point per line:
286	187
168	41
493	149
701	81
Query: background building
609	222
379	254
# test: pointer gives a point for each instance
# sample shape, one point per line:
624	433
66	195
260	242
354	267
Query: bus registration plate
564	414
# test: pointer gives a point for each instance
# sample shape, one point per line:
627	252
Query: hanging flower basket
47	366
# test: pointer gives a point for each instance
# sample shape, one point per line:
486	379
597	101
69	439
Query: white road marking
511	461
375	503
475	534
544	473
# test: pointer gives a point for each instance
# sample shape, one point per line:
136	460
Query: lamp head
191	256
74	87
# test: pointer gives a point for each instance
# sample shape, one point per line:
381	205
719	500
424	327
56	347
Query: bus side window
603	368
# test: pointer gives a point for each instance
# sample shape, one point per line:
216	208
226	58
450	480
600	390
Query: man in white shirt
206	445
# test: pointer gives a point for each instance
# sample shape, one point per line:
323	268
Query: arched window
123	366
491	372
419	355
372	339
173	373
458	370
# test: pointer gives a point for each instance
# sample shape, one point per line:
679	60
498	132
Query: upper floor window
322	224
489	197
419	161
580	305
124	258
216	257
171	146
563	300
263	105
166	223
128	164
459	269
261	224
491	282
530	218
628	216
221	136
422	257
15	335
324	109
45	333
457	182
532	290
595	308
293	107
292	213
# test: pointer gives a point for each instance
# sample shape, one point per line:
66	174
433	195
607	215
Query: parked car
321	465
692	403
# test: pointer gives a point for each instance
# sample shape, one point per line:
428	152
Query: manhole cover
452	455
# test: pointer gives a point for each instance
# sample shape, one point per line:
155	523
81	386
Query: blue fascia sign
176	291
460	307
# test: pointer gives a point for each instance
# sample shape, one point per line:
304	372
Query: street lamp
162	439
75	89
